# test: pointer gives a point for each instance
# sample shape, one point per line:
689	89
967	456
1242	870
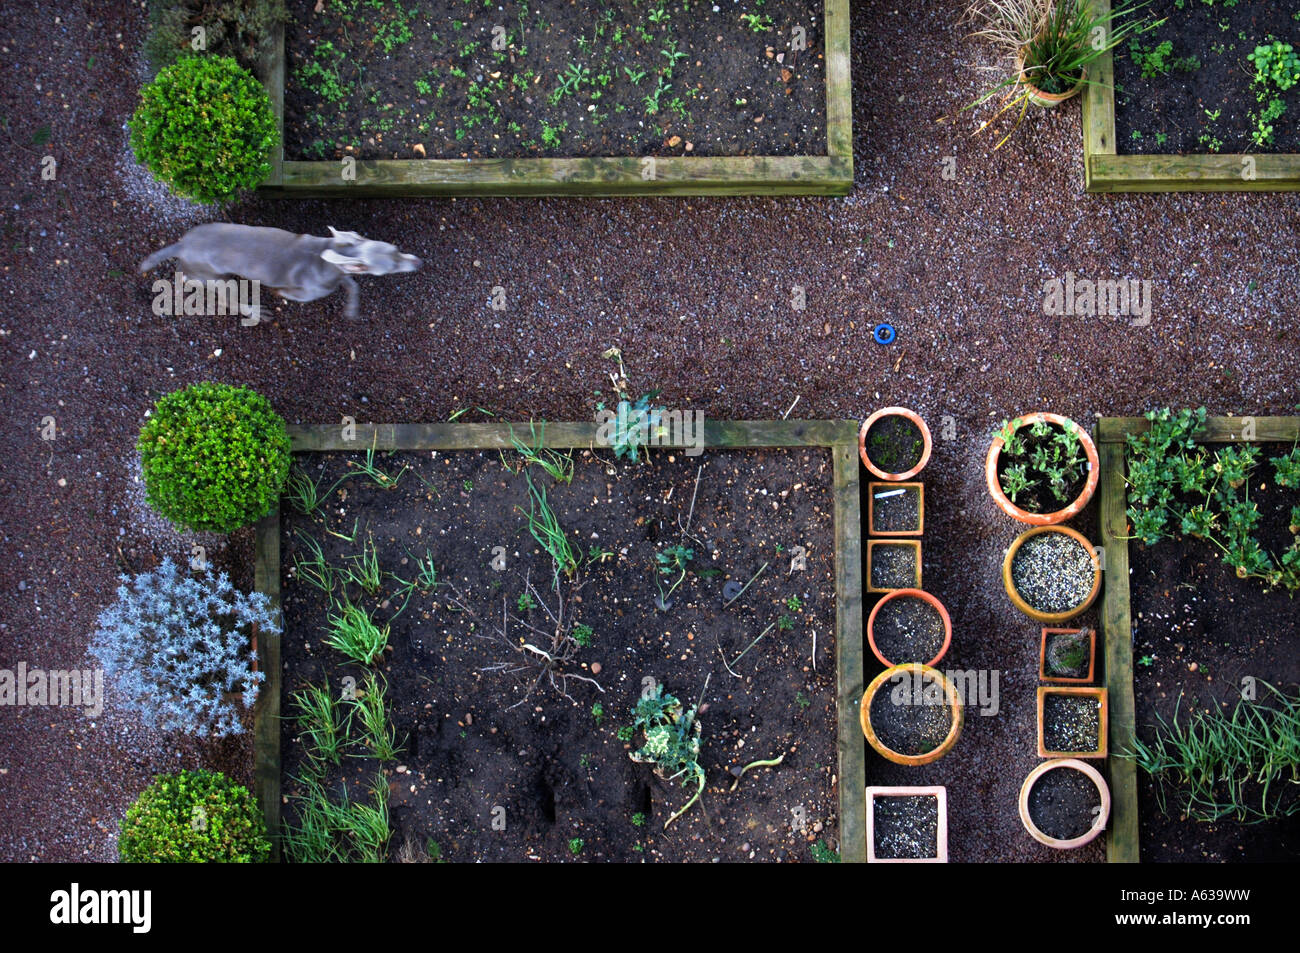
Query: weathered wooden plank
1117	632
271	72
839	84
1099	106
848	654
1194	173
589	175
1217	429
559	435
266	713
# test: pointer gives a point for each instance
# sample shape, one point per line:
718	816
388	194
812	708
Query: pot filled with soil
894	444
1046	90
1041	469
893	564
907	825
1072	722
1064	803
1067	655
895	509
911	714
1052	573
909	625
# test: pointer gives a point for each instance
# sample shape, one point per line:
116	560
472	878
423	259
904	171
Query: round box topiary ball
215	457
206	128
193	817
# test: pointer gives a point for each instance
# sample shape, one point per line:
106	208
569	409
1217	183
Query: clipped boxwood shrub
205	127
215	457
193	817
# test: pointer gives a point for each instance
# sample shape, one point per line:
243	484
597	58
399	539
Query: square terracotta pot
875	488
1045	676
875	545
940	793
1099	694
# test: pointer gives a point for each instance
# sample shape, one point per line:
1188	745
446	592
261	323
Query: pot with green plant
1067	655
1052	573
894	444
1041	468
1053	45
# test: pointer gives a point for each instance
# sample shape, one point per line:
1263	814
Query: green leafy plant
205	127
672	742
215	457
669	561
598	713
238	28
559	466
193	817
320	723
823	854
352	632
575	846
582	634
370	705
545	528
329	831
1041	461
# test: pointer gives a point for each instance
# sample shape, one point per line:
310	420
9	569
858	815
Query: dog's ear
345	263
345	236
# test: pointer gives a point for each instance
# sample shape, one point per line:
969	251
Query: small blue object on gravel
884	334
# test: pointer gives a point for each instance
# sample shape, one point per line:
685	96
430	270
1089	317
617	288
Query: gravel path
696	292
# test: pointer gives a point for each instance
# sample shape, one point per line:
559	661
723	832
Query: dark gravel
697	293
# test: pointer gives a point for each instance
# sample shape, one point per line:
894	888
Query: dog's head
354	255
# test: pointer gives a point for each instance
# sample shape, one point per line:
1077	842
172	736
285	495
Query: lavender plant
176	646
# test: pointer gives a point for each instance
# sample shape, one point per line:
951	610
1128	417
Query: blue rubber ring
884	334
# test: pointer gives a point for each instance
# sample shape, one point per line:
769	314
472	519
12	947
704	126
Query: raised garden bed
1176	105
516	118
1233	630
560	772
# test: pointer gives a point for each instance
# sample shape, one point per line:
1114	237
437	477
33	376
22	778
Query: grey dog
296	267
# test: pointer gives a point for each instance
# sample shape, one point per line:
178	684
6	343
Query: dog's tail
158	257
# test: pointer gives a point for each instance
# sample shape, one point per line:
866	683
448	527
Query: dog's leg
354	297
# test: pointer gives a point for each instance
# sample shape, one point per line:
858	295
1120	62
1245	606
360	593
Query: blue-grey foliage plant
177	647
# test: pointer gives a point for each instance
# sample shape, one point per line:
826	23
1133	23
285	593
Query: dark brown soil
1063	803
894	444
897	513
906	826
908	629
1052	572
893	566
479	739
1071	724
735	87
910	715
1170	111
687	287
1199	635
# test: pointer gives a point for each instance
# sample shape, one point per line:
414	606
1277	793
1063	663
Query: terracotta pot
1043	519
909	594
873	488
1040	98
938	792
884	681
1018	601
1045	676
1060	764
873	544
1102	714
925	438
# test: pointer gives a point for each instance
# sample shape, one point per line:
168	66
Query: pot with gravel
893	564
1072	722
1064	803
907	825
894	444
911	714
1041	469
1052	573
895	509
1067	655
909	625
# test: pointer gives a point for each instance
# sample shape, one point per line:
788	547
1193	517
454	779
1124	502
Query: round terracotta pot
1025	607
915	594
883	680
1043	519
1040	98
1058	764
915	418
